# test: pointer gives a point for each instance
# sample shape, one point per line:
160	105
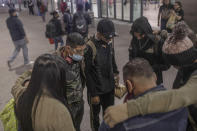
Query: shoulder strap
93	47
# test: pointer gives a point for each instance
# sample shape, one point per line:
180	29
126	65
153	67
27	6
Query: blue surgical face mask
77	57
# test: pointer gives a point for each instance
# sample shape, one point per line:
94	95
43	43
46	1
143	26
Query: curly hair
180	31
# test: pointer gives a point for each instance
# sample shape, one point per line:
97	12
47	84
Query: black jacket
100	75
15	28
58	26
149	48
180	13
87	18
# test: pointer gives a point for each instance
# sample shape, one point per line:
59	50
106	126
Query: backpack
50	29
80	24
91	44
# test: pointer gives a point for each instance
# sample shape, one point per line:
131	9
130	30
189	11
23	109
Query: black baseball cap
11	11
106	28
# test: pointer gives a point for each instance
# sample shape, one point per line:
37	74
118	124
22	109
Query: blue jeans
57	40
20	44
43	16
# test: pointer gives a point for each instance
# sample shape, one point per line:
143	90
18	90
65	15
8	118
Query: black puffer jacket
58	26
15	27
100	75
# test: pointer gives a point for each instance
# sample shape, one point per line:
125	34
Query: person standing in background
87	6
67	18
164	14
38	6
31	7
58	29
43	10
81	20
63	6
179	11
25	3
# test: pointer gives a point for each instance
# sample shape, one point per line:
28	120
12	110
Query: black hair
75	39
11	11
137	29
137	67
53	13
79	7
48	73
164	1
179	3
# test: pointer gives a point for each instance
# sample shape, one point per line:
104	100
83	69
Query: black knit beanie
178	49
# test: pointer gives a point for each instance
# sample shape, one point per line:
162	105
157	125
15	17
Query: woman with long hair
42	105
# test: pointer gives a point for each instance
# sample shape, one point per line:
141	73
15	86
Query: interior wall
190	9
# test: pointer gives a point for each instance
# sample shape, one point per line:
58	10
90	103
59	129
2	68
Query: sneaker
29	63
9	64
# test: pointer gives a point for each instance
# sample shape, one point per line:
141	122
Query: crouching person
140	80
73	53
41	106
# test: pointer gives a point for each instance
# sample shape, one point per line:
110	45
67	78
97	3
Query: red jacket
63	6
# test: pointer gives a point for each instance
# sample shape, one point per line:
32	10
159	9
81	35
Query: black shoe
9	64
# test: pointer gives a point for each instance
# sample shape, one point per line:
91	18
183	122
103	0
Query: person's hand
26	39
158	24
156	32
117	79
173	12
95	100
116	114
26	84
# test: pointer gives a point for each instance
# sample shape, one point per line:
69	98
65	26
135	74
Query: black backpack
50	29
67	18
80	24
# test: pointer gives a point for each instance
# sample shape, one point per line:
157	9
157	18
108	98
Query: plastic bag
51	41
171	22
120	91
8	118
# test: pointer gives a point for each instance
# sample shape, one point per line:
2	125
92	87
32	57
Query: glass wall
119	9
137	9
95	7
126	10
110	8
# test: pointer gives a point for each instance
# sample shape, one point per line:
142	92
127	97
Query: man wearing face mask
141	80
75	79
100	70
18	36
147	45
